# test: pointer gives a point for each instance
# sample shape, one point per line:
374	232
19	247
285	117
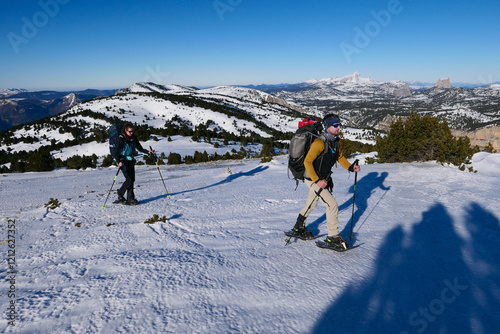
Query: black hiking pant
128	170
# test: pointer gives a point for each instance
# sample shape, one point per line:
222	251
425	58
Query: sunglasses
130	131
336	125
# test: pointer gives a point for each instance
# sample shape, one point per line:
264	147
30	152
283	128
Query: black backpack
309	129
114	132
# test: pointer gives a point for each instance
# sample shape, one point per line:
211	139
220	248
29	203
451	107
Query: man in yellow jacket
322	155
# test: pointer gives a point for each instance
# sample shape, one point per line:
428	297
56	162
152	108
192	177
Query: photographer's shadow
427	280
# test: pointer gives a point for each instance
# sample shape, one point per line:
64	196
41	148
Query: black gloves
329	186
351	167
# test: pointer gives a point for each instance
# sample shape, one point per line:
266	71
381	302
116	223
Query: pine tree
422	138
489	148
174	159
39	161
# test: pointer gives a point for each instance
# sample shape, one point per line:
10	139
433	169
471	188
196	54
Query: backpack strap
322	154
325	141
296	180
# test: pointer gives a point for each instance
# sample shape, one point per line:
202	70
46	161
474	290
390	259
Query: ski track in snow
219	264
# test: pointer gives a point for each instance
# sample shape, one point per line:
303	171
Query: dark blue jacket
125	148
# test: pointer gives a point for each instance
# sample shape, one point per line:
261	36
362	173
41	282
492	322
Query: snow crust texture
428	260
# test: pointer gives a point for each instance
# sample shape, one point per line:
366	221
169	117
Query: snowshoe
133	201
334	243
120	200
304	234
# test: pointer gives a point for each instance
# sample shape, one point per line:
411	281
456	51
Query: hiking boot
302	232
120	200
299	229
336	242
133	201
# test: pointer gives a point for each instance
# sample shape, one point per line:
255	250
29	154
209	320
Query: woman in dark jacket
123	153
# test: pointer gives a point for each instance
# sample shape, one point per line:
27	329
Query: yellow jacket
317	147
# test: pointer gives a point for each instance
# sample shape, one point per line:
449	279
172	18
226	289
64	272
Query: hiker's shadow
427	279
364	189
314	226
155	198
228	179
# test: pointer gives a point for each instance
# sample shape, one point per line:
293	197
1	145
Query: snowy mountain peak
11	91
355	78
67	101
150	87
70	99
349	87
311	82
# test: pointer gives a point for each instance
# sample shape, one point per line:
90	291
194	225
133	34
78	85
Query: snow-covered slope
236	110
147	87
251	102
427	261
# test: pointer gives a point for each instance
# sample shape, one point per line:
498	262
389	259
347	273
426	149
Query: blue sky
75	44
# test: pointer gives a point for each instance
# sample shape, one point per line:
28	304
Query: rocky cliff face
385	123
482	136
271	99
443	83
402	91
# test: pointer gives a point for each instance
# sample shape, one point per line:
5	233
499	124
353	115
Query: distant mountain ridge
366	103
19	106
414	85
160	111
240	112
353	85
363	103
10	91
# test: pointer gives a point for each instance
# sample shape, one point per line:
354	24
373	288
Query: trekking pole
118	171
158	167
356	163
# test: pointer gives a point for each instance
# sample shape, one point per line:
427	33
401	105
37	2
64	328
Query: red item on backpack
308	120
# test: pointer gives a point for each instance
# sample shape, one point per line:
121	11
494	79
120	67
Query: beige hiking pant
325	197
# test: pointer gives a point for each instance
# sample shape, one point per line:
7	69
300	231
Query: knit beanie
330	121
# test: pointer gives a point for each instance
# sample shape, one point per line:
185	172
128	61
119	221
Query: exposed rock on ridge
443	83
